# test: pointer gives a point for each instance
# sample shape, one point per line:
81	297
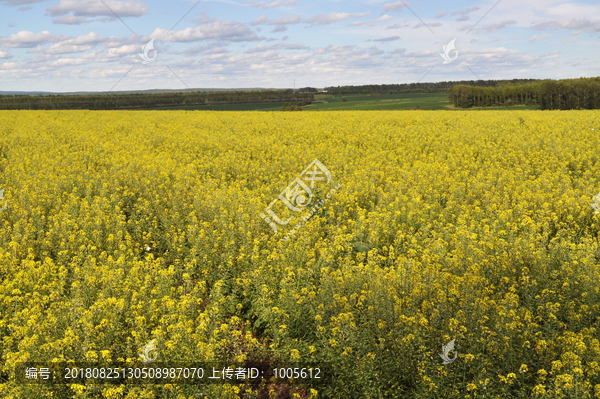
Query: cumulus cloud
5	54
210	48
225	30
76	45
465	11
127	49
118	41
399	5
294	19
35	50
538	37
576	25
442	14
279	28
275	4
330	48
260	20
386	39
19	2
261	48
79	11
27	39
371	23
493	27
70	20
263	20
322	19
404	24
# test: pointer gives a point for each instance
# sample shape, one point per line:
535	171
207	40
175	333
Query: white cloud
294	46
442	14
263	20
499	25
70	20
322	19
27	39
261	48
279	28
5	54
275	4
386	39
538	37
465	11
576	25
76	45
35	50
260	20
371	23
491	27
330	48
127	49
19	2
113	42
91	8
225	30
404	24
213	47
399	5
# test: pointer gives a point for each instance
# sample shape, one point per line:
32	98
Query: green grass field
361	102
335	102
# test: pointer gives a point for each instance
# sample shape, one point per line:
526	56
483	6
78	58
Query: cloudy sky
95	45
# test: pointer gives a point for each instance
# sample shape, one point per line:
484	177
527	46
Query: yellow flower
523	369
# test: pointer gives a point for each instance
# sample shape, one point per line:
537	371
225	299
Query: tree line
583	93
438	87
160	100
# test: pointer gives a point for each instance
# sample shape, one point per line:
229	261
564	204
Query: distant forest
439	87
583	93
142	101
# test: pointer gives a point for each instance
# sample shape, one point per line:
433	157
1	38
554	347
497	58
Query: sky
98	45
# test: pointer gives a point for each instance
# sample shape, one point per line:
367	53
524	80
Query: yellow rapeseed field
477	227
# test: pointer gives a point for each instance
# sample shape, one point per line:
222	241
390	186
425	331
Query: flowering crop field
477	227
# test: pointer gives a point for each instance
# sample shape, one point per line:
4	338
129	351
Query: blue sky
94	45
